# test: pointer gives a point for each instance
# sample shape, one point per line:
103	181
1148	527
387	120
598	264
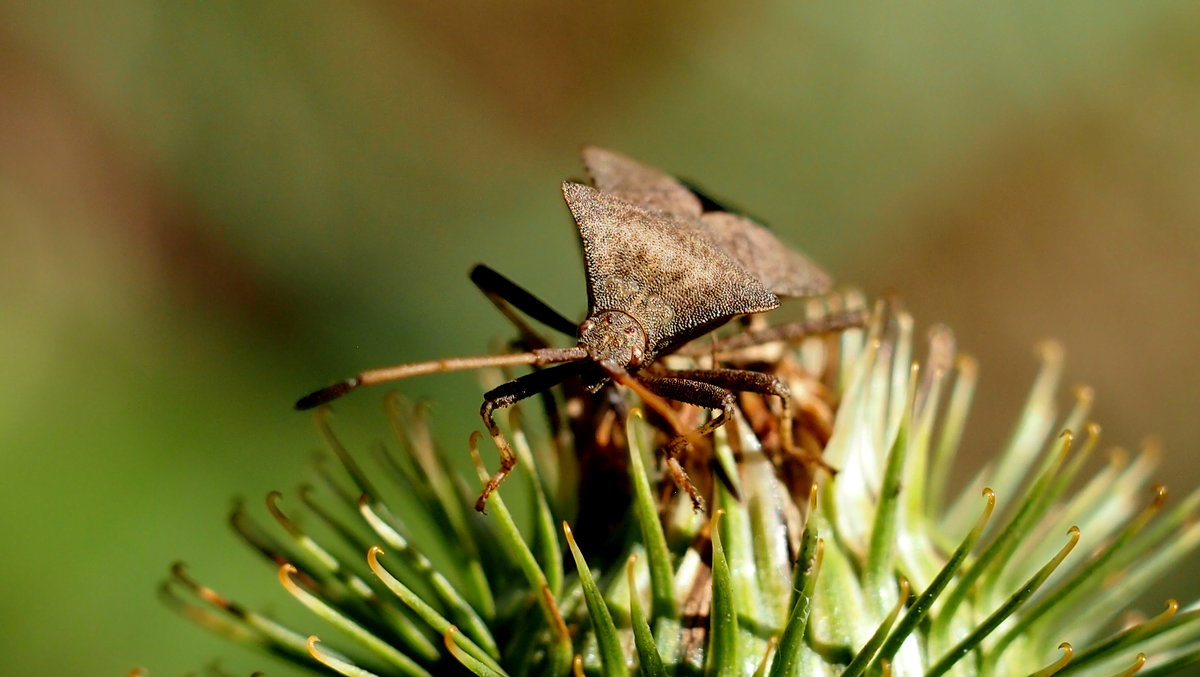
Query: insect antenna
538	357
502	291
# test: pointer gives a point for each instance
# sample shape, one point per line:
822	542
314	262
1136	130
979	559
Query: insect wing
644	186
782	269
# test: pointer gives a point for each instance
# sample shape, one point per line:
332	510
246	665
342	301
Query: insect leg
792	331
509	297
744	380
677	385
505	395
653	401
504	293
700	394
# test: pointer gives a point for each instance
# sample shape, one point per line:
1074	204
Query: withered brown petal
779	267
644	186
671	279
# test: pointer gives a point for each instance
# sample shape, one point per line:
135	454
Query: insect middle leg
789	332
505	395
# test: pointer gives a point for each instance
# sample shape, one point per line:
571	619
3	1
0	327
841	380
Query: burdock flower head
847	554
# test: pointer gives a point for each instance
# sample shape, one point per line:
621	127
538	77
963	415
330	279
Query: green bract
875	570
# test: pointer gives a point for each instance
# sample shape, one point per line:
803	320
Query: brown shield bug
661	271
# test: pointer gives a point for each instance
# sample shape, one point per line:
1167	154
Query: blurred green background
210	208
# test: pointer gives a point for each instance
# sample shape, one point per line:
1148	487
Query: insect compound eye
586	326
635	356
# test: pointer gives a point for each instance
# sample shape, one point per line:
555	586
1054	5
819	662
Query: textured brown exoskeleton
781	269
655	280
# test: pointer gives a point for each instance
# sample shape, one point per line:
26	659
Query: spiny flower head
875	569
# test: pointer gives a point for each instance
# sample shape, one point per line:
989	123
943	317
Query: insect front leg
702	395
505	395
744	380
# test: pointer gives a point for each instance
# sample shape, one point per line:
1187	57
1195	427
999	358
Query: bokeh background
208	209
